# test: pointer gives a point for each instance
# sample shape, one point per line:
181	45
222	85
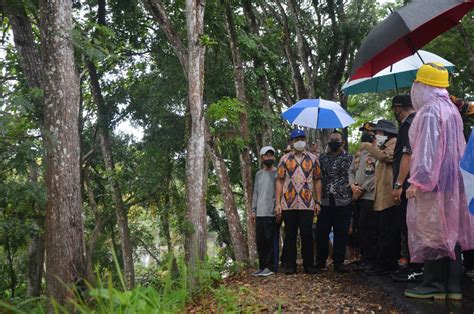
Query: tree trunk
196	174
107	156
302	51
11	268
264	96
24	40
192	61
237	238
30	63
245	162
290	54
65	263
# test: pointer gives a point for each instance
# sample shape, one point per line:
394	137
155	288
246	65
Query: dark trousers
266	227
339	219
468	259
402	209
367	230
388	231
302	220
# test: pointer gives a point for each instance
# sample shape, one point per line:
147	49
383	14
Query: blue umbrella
318	114
395	76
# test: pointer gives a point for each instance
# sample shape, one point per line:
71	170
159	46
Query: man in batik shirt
298	195
336	209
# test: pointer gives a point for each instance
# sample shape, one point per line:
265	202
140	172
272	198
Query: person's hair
336	132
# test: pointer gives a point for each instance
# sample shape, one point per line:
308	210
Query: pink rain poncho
437	217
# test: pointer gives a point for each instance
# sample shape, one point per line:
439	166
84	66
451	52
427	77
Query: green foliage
226	109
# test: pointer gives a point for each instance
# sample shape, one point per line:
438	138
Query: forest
130	132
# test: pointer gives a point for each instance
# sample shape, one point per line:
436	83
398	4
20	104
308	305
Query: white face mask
299	146
381	139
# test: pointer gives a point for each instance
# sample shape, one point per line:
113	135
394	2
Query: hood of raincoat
422	94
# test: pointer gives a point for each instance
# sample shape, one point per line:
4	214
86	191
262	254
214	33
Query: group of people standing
401	193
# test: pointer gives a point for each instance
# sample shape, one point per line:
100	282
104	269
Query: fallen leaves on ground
324	292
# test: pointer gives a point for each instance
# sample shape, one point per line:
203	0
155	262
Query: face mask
334	146
381	139
397	116
268	162
299	146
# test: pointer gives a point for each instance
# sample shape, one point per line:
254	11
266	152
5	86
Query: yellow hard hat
433	74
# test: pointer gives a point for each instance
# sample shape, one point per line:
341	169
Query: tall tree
192	61
65	263
104	130
245	162
30	62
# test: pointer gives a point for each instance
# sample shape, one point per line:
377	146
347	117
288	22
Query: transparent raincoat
437	217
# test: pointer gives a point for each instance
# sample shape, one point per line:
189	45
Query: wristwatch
318	202
397	186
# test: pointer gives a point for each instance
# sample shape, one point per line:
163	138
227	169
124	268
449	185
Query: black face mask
367	138
397	116
268	162
334	146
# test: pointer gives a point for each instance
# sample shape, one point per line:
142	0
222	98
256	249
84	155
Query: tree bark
237	238
245	162
65	263
196	174
25	43
113	186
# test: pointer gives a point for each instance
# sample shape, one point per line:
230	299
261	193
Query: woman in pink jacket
439	224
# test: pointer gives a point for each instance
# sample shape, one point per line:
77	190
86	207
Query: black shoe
408	276
290	271
311	270
340	268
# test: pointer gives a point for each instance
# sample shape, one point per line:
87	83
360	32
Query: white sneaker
266	272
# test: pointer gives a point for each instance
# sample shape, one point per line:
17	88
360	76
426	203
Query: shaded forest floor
324	292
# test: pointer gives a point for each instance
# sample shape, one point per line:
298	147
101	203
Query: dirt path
325	292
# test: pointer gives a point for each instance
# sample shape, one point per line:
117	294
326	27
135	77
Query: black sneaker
290	271
408	276
340	268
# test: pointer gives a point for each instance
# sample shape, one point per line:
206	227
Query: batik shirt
298	174
335	181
